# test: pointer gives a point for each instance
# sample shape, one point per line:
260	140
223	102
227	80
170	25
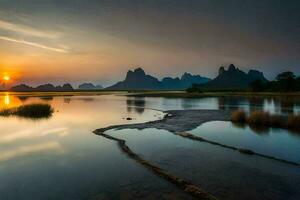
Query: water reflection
270	141
137	104
287	106
46	98
30	149
275	105
262	130
9	101
222	172
31	134
63	150
67	99
22	98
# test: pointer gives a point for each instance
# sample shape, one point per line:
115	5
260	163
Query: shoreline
178	122
183	94
154	93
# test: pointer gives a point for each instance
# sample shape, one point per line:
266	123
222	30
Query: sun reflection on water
8	101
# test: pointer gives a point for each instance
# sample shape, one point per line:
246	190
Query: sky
98	41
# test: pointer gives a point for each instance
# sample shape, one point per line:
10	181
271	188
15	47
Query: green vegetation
260	120
34	111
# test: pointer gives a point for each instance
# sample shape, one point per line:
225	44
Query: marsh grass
261	121
239	116
34	111
259	118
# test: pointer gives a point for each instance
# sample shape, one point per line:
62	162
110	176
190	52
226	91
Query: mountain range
233	78
44	87
89	86
139	80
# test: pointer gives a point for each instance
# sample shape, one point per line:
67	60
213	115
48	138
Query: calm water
60	157
274	142
225	173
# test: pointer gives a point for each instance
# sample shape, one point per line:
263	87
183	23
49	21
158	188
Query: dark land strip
179	122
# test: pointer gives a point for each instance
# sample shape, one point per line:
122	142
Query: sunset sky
97	41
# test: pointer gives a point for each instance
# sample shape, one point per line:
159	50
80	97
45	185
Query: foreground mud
179	122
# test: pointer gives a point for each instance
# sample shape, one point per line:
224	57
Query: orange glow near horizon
6	78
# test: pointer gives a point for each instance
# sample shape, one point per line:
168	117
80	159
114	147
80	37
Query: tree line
284	82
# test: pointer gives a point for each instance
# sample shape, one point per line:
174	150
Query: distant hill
139	80
89	86
234	78
44	87
188	79
2	86
22	87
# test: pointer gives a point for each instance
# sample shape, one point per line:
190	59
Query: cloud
34	44
28	30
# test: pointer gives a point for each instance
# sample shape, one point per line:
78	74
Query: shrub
238	116
259	129
29	111
259	118
293	122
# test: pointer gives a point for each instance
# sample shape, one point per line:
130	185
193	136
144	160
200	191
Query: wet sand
176	121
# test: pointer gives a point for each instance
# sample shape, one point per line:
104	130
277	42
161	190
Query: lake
60	157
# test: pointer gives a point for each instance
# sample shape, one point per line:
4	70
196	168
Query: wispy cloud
34	44
28	30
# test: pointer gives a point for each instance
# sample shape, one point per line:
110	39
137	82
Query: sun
6	78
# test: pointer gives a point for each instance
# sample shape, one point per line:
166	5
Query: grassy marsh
261	119
34	111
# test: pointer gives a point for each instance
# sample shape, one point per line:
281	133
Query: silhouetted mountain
169	83
233	78
21	87
139	80
65	87
188	79
256	75
89	86
44	87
